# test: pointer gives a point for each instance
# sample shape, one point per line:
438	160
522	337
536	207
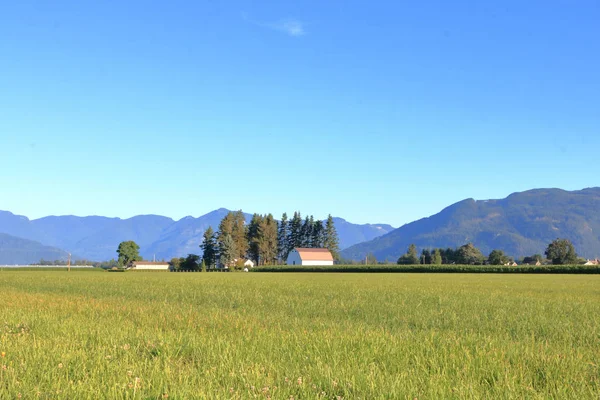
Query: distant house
305	256
249	264
592	262
150	265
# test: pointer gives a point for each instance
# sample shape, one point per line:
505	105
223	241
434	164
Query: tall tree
209	248
318	234
561	252
267	240
469	254
497	257
437	257
128	252
410	257
282	238
234	225
425	256
306	233
295	237
253	237
228	251
332	241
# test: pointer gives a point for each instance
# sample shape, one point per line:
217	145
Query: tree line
265	240
559	252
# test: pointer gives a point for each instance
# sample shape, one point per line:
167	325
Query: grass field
209	335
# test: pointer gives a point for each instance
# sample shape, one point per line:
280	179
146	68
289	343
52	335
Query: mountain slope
521	224
350	234
97	238
14	250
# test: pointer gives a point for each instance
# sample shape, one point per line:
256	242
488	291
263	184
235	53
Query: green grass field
307	336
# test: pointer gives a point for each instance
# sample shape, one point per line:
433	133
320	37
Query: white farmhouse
304	256
150	265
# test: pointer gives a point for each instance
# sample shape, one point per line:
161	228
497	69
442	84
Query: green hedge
494	269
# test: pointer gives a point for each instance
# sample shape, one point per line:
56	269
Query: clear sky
379	111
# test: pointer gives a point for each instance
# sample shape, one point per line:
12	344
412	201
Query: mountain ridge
521	224
97	237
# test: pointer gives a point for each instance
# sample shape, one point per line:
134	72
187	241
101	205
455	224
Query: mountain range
522	224
97	238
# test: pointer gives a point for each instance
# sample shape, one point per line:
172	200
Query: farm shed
305	256
150	265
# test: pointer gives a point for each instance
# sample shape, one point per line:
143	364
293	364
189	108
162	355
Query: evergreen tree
305	233
267	240
282	238
209	248
227	250
331	240
425	256
437	257
253	238
234	225
411	257
318	234
295	236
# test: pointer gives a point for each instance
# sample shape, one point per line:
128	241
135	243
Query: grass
446	268
238	336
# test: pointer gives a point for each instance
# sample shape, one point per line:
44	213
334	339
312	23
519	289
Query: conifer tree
331	240
209	248
282	238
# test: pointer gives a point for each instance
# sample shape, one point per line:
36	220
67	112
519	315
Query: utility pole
69	263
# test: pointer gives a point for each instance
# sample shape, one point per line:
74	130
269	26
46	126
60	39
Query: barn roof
307	254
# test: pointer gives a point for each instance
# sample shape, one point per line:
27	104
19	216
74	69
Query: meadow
298	335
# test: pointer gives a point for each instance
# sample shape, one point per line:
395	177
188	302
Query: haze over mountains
96	238
521	224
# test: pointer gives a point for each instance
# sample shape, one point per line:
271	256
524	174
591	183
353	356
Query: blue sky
372	111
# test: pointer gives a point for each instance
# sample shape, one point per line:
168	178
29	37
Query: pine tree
295	238
209	247
318	234
282	238
331	241
239	234
305	233
253	238
267	240
227	250
437	257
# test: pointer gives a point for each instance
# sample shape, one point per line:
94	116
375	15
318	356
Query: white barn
305	256
150	265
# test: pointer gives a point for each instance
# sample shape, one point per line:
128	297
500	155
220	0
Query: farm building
150	265
304	256
592	262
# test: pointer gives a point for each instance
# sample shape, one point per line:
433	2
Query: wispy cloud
291	27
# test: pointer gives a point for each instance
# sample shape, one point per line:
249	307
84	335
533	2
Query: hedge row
478	269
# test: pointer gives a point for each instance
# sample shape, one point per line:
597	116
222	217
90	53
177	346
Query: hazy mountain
350	234
14	250
521	224
97	238
184	236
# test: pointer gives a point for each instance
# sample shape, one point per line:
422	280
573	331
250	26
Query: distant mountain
185	236
521	224
350	234
14	250
97	238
